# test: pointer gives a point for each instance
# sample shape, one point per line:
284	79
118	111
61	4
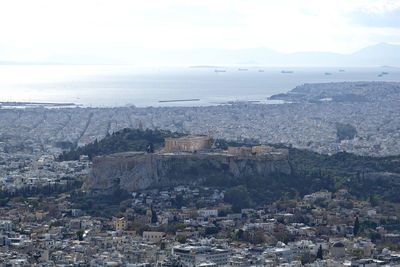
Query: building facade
153	237
195	255
120	224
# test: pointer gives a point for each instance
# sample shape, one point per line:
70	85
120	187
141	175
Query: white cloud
381	6
285	25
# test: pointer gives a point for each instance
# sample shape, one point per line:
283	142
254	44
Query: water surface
109	85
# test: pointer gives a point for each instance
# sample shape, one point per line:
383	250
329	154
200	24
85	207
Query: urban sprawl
191	225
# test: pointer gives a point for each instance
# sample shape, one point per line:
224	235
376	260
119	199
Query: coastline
22	105
119	86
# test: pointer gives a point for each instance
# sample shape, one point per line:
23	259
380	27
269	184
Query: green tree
239	234
4	201
345	131
373	200
179	200
320	253
356	228
239	197
181	239
211	230
79	235
154	217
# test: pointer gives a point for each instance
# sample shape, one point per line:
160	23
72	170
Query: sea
125	85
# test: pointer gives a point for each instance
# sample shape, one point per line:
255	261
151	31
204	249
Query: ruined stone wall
263	149
240	151
265	152
188	143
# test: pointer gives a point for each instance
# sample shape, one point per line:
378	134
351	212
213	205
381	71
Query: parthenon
188	143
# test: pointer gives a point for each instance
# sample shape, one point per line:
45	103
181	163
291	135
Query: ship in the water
219	70
287	71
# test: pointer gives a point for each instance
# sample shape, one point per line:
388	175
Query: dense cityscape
187	133
185	226
303	125
49	219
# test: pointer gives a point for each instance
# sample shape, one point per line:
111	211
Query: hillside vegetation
366	178
121	141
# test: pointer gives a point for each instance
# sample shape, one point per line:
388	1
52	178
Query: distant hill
380	54
377	55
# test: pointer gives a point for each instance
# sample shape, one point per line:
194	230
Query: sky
288	26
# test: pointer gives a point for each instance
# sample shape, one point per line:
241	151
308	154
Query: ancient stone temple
188	143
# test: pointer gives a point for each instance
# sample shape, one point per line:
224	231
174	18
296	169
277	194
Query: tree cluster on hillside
100	205
360	175
46	190
311	172
121	141
345	131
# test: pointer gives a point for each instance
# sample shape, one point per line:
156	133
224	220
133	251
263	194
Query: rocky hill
140	170
266	177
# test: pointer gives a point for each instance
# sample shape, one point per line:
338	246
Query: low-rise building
120	224
153	237
208	212
194	255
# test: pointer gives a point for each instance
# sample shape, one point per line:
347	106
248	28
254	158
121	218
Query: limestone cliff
139	170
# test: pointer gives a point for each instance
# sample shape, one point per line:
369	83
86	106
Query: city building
153	237
194	255
120	224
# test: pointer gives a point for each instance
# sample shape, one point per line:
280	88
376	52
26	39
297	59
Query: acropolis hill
185	160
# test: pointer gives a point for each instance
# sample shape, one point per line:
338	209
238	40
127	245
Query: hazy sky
283	25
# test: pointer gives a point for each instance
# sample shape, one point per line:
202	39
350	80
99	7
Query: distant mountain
380	54
377	55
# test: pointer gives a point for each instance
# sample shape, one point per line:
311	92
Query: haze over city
184	32
200	133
